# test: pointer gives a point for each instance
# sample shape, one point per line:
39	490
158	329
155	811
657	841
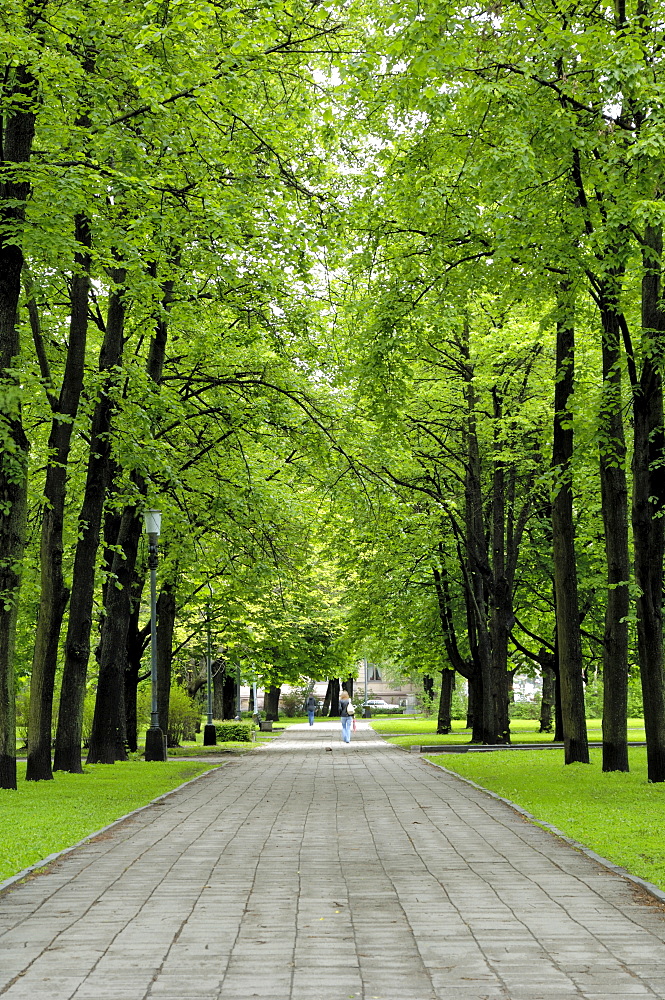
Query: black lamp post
155	742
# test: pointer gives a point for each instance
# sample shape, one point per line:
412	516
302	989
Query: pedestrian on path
310	705
346	711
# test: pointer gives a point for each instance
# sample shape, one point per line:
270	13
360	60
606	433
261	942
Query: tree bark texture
217	671
229	694
648	507
444	719
113	528
547	701
79	625
17	135
468	668
614	501
271	702
334	698
325	708
53	593
137	639
166	613
571	683
501	598
478	572
108	738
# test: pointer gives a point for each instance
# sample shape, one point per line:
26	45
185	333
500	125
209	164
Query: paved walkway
301	872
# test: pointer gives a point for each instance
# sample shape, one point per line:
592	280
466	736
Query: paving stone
298	874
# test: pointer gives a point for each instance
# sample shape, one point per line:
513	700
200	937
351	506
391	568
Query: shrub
524	710
88	716
233	732
459	704
635	704
292	702
22	712
183	715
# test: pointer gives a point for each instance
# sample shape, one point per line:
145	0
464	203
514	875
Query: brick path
300	872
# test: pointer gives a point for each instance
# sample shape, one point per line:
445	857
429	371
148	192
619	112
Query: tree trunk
229	693
428	690
79	626
501	603
348	684
477	570
576	746
648	505
218	675
17	137
136	646
334	698
325	708
54	594
271	702
444	721
108	738
547	701
614	499
166	613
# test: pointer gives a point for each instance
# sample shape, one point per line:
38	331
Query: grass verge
219	749
620	816
43	817
405	732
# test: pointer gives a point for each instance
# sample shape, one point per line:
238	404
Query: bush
593	699
524	710
233	732
22	712
635	703
183	716
459	704
292	702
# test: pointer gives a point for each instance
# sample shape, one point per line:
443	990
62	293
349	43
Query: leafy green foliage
234	732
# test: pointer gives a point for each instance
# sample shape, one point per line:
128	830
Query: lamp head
153	523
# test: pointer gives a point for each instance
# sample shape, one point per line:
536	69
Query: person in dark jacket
311	707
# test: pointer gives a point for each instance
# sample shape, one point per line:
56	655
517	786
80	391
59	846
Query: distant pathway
300	872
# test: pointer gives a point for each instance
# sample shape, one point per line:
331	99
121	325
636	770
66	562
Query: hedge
234	732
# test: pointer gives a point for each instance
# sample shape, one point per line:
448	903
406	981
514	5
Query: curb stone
649	887
50	858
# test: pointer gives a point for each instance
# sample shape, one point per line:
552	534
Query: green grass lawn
620	816
409	732
42	817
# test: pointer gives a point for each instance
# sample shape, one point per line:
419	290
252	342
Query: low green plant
291	702
43	817
234	732
619	815
524	710
183	716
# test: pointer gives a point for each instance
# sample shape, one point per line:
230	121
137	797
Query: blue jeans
310	716
346	728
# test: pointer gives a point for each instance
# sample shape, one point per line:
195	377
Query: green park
332	338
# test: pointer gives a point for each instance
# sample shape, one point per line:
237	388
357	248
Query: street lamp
209	731
155	742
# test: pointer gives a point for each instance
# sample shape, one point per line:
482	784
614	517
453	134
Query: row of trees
156	343
505	288
361	296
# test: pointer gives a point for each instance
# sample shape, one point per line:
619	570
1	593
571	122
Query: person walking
311	706
346	711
